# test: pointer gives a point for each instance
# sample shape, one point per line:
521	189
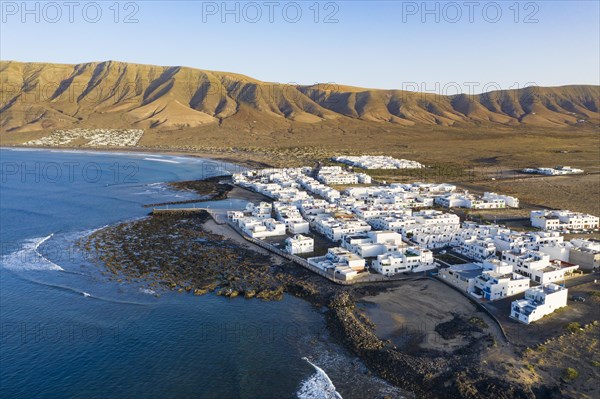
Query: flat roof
465	267
467	270
470	273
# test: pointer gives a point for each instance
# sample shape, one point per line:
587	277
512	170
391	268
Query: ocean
67	331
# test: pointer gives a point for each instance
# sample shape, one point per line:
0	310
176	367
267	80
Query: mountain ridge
113	94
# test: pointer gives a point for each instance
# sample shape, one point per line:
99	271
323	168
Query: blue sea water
67	331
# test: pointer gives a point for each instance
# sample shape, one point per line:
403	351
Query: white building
560	251
498	266
261	228
427	188
585	253
559	170
336	175
563	220
313	186
336	228
432	229
512	202
373	243
393	223
466	200
262	210
378	162
291	216
340	262
299	244
412	259
477	248
235	216
492	286
538	266
511	240
539	302
462	276
316	206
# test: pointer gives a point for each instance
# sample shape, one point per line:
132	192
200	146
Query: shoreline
209	156
424	372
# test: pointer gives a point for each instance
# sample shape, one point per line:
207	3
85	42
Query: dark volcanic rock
427	376
174	250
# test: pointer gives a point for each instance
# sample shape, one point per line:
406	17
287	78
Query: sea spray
317	386
29	257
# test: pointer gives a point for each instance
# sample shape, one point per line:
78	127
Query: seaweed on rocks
174	250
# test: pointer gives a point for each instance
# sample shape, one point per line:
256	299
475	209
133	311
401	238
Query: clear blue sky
379	44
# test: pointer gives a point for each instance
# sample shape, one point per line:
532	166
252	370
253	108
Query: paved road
586	278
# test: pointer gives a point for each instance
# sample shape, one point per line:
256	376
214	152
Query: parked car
577	298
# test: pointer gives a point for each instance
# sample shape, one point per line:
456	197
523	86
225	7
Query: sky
444	47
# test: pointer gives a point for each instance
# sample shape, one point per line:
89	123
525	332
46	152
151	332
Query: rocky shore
214	188
211	189
177	252
173	251
428	375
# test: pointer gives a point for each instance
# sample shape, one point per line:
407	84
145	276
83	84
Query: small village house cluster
391	229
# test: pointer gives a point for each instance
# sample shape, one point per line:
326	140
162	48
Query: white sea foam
29	258
77	235
317	386
160	160
147	291
40	242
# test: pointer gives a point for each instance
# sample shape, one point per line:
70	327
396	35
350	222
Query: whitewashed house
373	243
539	302
412	259
291	216
299	244
493	286
512	202
336	228
392	223
563	219
538	266
377	162
477	248
497	266
262	210
462	276
340	262
235	216
559	170
261	228
585	253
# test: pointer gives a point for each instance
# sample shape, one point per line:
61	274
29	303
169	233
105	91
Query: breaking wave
85	294
29	257
317	386
160	160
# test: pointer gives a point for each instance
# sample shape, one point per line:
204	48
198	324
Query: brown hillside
40	96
